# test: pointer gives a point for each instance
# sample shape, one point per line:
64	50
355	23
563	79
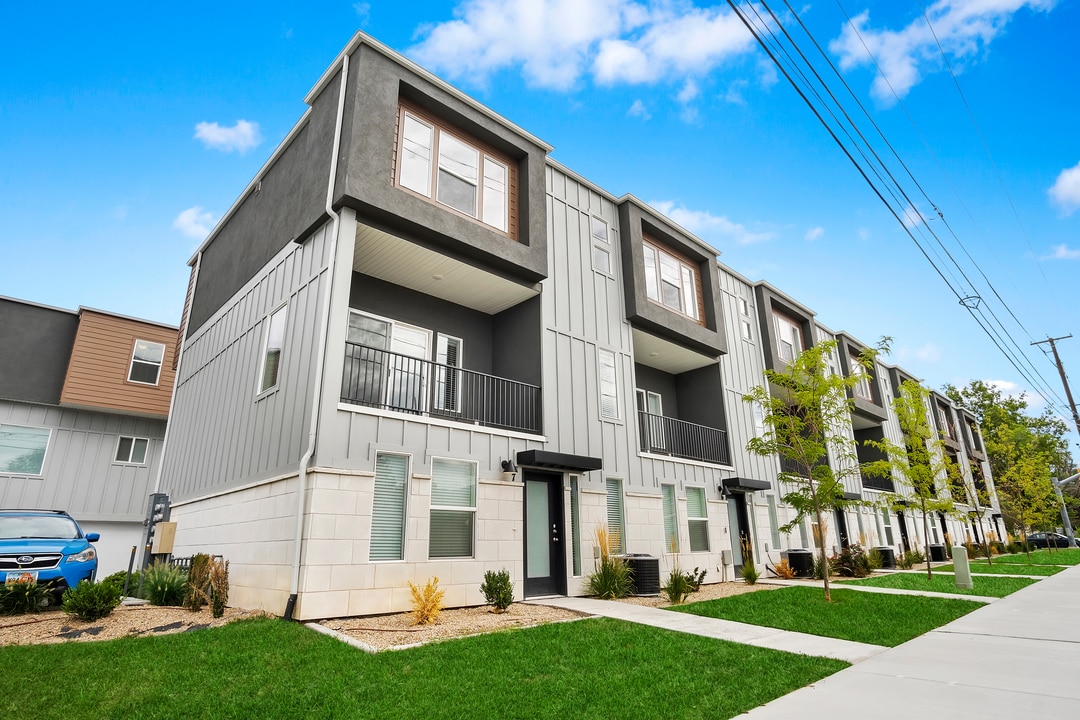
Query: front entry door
903	531
545	556
740	521
841	528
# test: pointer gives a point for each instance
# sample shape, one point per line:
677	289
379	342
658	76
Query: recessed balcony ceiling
656	352
407	264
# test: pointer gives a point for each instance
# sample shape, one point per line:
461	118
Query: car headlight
85	556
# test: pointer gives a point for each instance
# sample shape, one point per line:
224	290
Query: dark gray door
545	556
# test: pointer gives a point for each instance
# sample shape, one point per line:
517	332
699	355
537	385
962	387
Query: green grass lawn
999	568
984	586
1064	556
864	617
595	668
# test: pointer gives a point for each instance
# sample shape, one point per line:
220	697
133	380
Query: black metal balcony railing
875	482
668	436
392	381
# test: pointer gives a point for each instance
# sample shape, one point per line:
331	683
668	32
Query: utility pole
1061	371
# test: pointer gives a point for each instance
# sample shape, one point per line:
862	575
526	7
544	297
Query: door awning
852	495
738	484
558	461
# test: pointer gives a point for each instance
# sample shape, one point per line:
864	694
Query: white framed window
448	351
788	337
273	344
671	519
443	165
652	404
886	524
746	330
758	414
453	508
697	519
131	450
946	425
608	380
388	506
744	307
601	244
774	522
22	449
671	281
615	516
862	388
387	365
146	359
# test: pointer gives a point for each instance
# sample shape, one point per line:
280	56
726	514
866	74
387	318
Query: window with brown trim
454	170
673	281
788	337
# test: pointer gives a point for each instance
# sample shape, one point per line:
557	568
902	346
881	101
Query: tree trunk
926	541
823	558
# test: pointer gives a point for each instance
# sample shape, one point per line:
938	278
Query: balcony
678	438
393	381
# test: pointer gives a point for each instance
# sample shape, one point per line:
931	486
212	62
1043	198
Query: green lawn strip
1063	556
1005	569
984	586
597	668
872	618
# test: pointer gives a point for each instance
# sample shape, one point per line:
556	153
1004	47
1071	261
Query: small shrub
89	601
677	586
23	597
197	591
915	557
426	602
749	574
972	551
903	561
1015	547
498	589
219	586
850	562
783	570
819	569
164	584
874	559
117	580
612	577
695	578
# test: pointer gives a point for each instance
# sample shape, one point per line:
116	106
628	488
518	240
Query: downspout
305	461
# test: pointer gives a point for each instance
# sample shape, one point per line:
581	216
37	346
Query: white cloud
242	136
363	12
1062	252
1066	190
734	92
638	109
557	42
814	233
864	234
1010	389
964	28
689	92
195	222
709	227
927	353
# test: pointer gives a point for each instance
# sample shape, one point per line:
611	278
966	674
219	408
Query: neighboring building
83	400
416	346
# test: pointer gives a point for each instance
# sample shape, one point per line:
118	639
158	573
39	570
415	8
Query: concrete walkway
873	589
1015	658
765	637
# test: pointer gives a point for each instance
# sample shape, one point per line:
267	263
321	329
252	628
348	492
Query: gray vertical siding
224	435
79	474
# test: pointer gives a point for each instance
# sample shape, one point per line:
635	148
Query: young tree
1025	485
806	408
922	461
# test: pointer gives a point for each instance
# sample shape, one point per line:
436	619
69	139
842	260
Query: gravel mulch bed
54	626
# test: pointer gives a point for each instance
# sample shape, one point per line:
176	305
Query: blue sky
127	130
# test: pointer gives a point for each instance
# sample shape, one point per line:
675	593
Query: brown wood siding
97	374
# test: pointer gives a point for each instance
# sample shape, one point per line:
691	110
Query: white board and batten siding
225	434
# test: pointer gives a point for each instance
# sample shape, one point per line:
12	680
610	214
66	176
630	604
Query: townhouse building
417	346
84	396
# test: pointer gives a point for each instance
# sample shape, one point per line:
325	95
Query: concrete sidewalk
1015	658
744	633
873	589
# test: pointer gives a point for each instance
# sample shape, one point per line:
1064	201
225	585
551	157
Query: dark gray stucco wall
634	223
287	205
516	342
701	397
767	302
35	346
365	175
399	303
849	353
658	381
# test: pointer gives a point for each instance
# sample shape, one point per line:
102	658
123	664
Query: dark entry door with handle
545	556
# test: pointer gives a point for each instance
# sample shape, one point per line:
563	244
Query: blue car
46	547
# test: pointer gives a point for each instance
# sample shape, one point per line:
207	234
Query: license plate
21	576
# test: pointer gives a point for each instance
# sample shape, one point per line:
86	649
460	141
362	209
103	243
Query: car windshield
53	527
